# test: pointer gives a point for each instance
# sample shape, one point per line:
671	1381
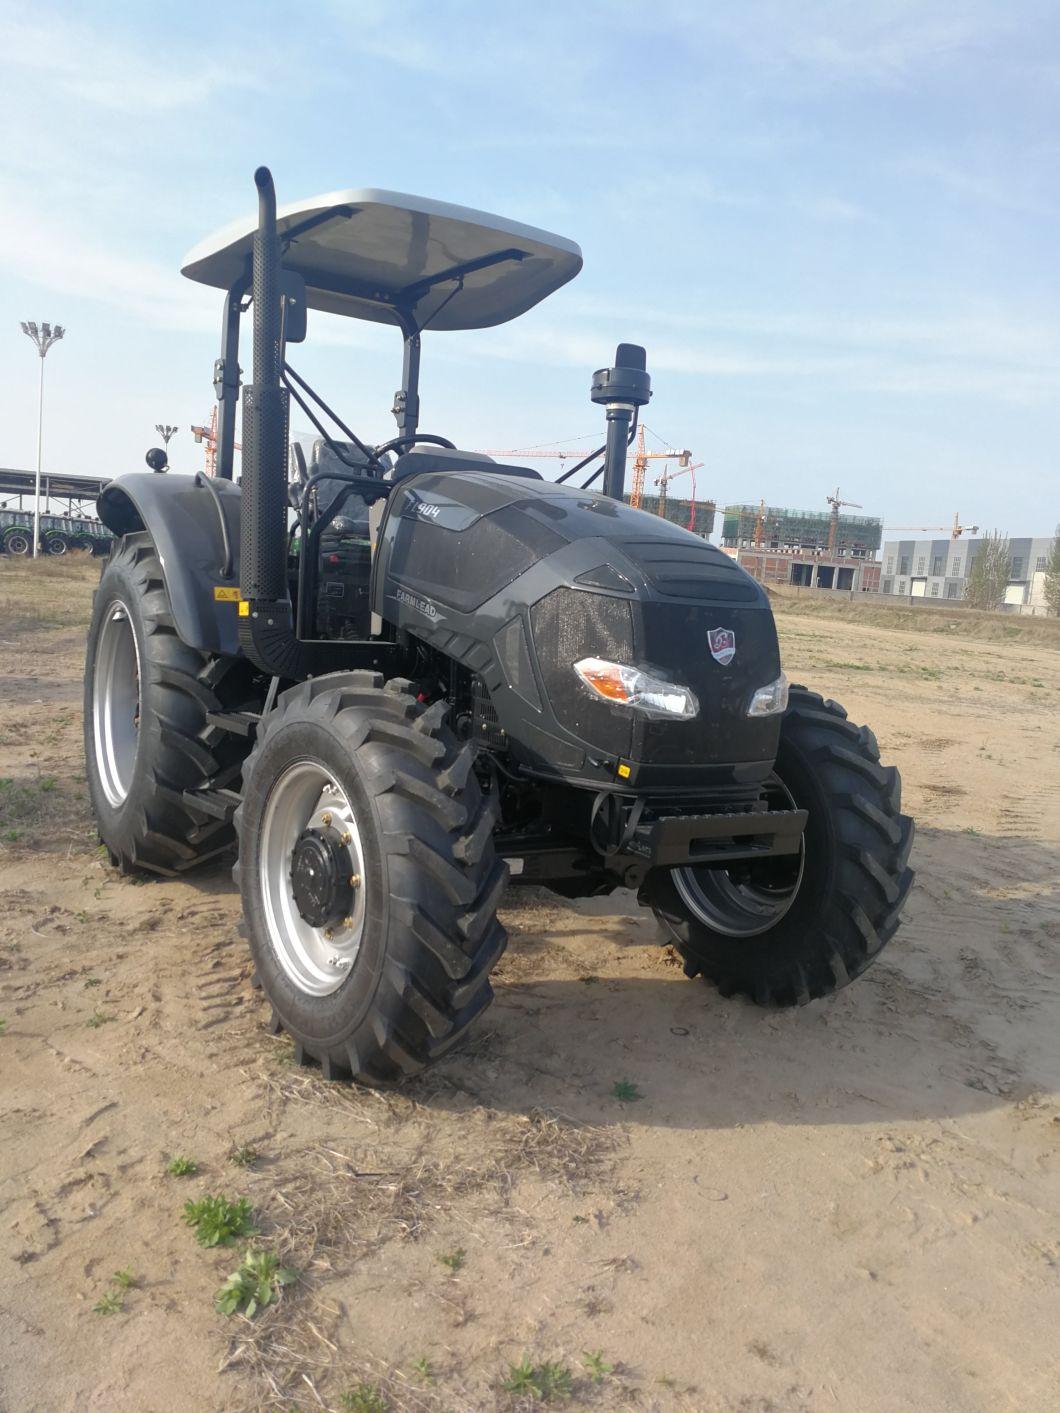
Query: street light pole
165	431
43	338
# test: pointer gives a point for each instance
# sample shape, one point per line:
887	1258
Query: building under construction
694	515
812	549
770	527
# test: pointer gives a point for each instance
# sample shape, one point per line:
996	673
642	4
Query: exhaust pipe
266	623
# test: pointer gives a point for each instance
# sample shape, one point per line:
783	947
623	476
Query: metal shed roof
366	253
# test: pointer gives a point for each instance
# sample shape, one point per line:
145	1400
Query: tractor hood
520	579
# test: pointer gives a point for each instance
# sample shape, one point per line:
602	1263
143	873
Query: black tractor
404	674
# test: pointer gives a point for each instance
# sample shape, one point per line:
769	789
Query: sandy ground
853	1206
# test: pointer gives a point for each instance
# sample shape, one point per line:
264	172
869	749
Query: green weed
422	1369
182	1167
112	1303
218	1221
123	1280
595	1365
91	981
546	1381
453	1259
256	1282
96	1019
365	1398
244	1156
626	1091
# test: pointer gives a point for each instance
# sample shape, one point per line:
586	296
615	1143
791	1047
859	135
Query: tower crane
640	467
209	436
640	461
684	468
956	529
833	528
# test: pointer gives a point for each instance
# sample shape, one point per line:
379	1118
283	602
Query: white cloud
111	73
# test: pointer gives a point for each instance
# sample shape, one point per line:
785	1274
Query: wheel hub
310	870
321	869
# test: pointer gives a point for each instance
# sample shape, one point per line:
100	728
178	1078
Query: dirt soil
848	1207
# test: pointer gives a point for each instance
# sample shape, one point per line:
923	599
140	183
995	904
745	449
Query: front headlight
770	700
631	687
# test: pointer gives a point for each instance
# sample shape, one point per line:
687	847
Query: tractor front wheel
368	875
787	930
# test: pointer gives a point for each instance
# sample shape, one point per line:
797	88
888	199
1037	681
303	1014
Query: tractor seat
438	458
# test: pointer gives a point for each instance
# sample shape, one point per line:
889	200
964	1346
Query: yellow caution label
625	772
244	608
225	595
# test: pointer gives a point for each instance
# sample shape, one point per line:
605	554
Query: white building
938	569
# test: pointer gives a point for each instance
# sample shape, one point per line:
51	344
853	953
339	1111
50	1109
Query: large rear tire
784	932
147	737
369	879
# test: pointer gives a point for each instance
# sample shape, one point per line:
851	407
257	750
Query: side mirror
157	459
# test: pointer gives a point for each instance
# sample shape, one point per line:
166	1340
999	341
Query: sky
832	225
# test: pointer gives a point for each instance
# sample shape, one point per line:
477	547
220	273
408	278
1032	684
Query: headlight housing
632	687
771	699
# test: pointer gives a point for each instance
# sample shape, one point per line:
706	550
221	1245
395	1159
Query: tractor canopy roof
381	255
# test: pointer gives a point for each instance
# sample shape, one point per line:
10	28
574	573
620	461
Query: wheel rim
306	798
57	546
749	899
16	544
116	703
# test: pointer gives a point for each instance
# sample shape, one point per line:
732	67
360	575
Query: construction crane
640	461
956	529
209	436
640	466
684	468
833	528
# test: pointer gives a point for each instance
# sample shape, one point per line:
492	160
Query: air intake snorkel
622	389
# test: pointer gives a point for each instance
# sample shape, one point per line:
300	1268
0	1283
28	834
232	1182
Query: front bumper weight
678	841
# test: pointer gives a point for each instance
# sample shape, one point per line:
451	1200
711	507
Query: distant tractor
403	672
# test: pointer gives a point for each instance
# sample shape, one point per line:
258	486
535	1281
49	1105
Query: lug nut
328	934
326	821
355	880
346	837
347	922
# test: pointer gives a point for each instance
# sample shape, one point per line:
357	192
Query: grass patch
182	1167
219	1221
22	802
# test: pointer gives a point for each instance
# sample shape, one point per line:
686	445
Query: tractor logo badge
722	642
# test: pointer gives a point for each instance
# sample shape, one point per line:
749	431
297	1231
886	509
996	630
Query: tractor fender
199	558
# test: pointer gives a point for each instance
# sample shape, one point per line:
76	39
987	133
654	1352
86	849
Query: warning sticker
225	595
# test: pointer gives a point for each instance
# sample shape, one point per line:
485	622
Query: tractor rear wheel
369	879
147	737
17	542
785	931
56	543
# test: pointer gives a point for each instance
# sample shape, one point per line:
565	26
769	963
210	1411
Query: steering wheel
411	441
